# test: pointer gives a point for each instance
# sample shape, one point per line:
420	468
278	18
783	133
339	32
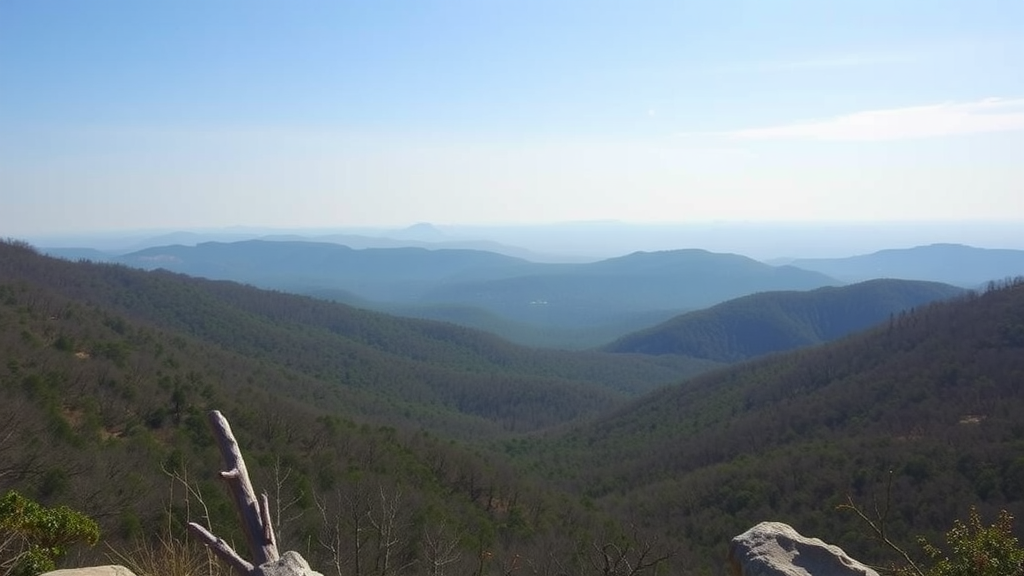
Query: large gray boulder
776	549
290	563
110	570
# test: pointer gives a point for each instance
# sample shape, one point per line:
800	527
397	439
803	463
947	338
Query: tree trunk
254	513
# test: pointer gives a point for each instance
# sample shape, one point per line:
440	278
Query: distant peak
423	231
423	226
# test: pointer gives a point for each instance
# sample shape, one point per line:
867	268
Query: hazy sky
128	114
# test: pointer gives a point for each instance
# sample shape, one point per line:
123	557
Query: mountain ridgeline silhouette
955	264
777	321
615	291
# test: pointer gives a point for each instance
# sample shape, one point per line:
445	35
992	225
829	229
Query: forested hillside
512	459
434	372
777	321
934	397
525	333
108	374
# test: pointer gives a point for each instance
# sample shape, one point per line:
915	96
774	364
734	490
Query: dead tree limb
222	549
254	513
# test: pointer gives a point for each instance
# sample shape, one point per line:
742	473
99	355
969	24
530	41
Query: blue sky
127	114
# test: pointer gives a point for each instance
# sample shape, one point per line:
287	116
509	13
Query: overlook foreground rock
110	570
776	549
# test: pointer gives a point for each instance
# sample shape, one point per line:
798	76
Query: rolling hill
777	321
930	403
624	292
345	414
433	369
955	264
588	294
386	274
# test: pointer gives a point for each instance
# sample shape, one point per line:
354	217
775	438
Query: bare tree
877	525
283	515
628	558
388	523
329	538
440	548
254	513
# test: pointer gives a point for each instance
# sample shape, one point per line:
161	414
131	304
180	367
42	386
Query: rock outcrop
289	564
776	549
110	570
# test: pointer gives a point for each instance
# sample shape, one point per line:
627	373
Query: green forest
392	446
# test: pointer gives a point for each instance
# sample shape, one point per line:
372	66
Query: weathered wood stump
254	514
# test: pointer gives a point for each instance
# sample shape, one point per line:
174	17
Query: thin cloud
823	62
844	61
932	121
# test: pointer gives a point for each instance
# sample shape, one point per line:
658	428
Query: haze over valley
504	288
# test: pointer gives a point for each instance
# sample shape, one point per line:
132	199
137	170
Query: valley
540	453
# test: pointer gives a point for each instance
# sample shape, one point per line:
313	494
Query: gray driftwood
254	514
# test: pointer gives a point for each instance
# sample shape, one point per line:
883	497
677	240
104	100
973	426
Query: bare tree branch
878	527
254	513
259	533
221	549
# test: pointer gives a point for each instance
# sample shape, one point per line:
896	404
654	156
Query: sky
185	114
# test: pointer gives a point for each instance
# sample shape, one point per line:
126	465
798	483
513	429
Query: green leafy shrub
978	550
33	537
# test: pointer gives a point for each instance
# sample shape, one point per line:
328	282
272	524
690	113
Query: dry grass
170	557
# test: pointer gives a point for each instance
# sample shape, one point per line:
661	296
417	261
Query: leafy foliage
34	537
978	550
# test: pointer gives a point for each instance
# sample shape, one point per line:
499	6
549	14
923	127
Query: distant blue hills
572	294
566	304
949	263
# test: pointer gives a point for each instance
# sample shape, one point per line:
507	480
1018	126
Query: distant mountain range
589	294
382	274
777	321
418	236
505	290
949	263
620	292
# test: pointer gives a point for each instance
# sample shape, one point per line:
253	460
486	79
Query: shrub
33	537
977	550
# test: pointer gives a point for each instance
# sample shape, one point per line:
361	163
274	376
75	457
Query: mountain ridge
449	366
566	296
928	404
956	264
769	322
